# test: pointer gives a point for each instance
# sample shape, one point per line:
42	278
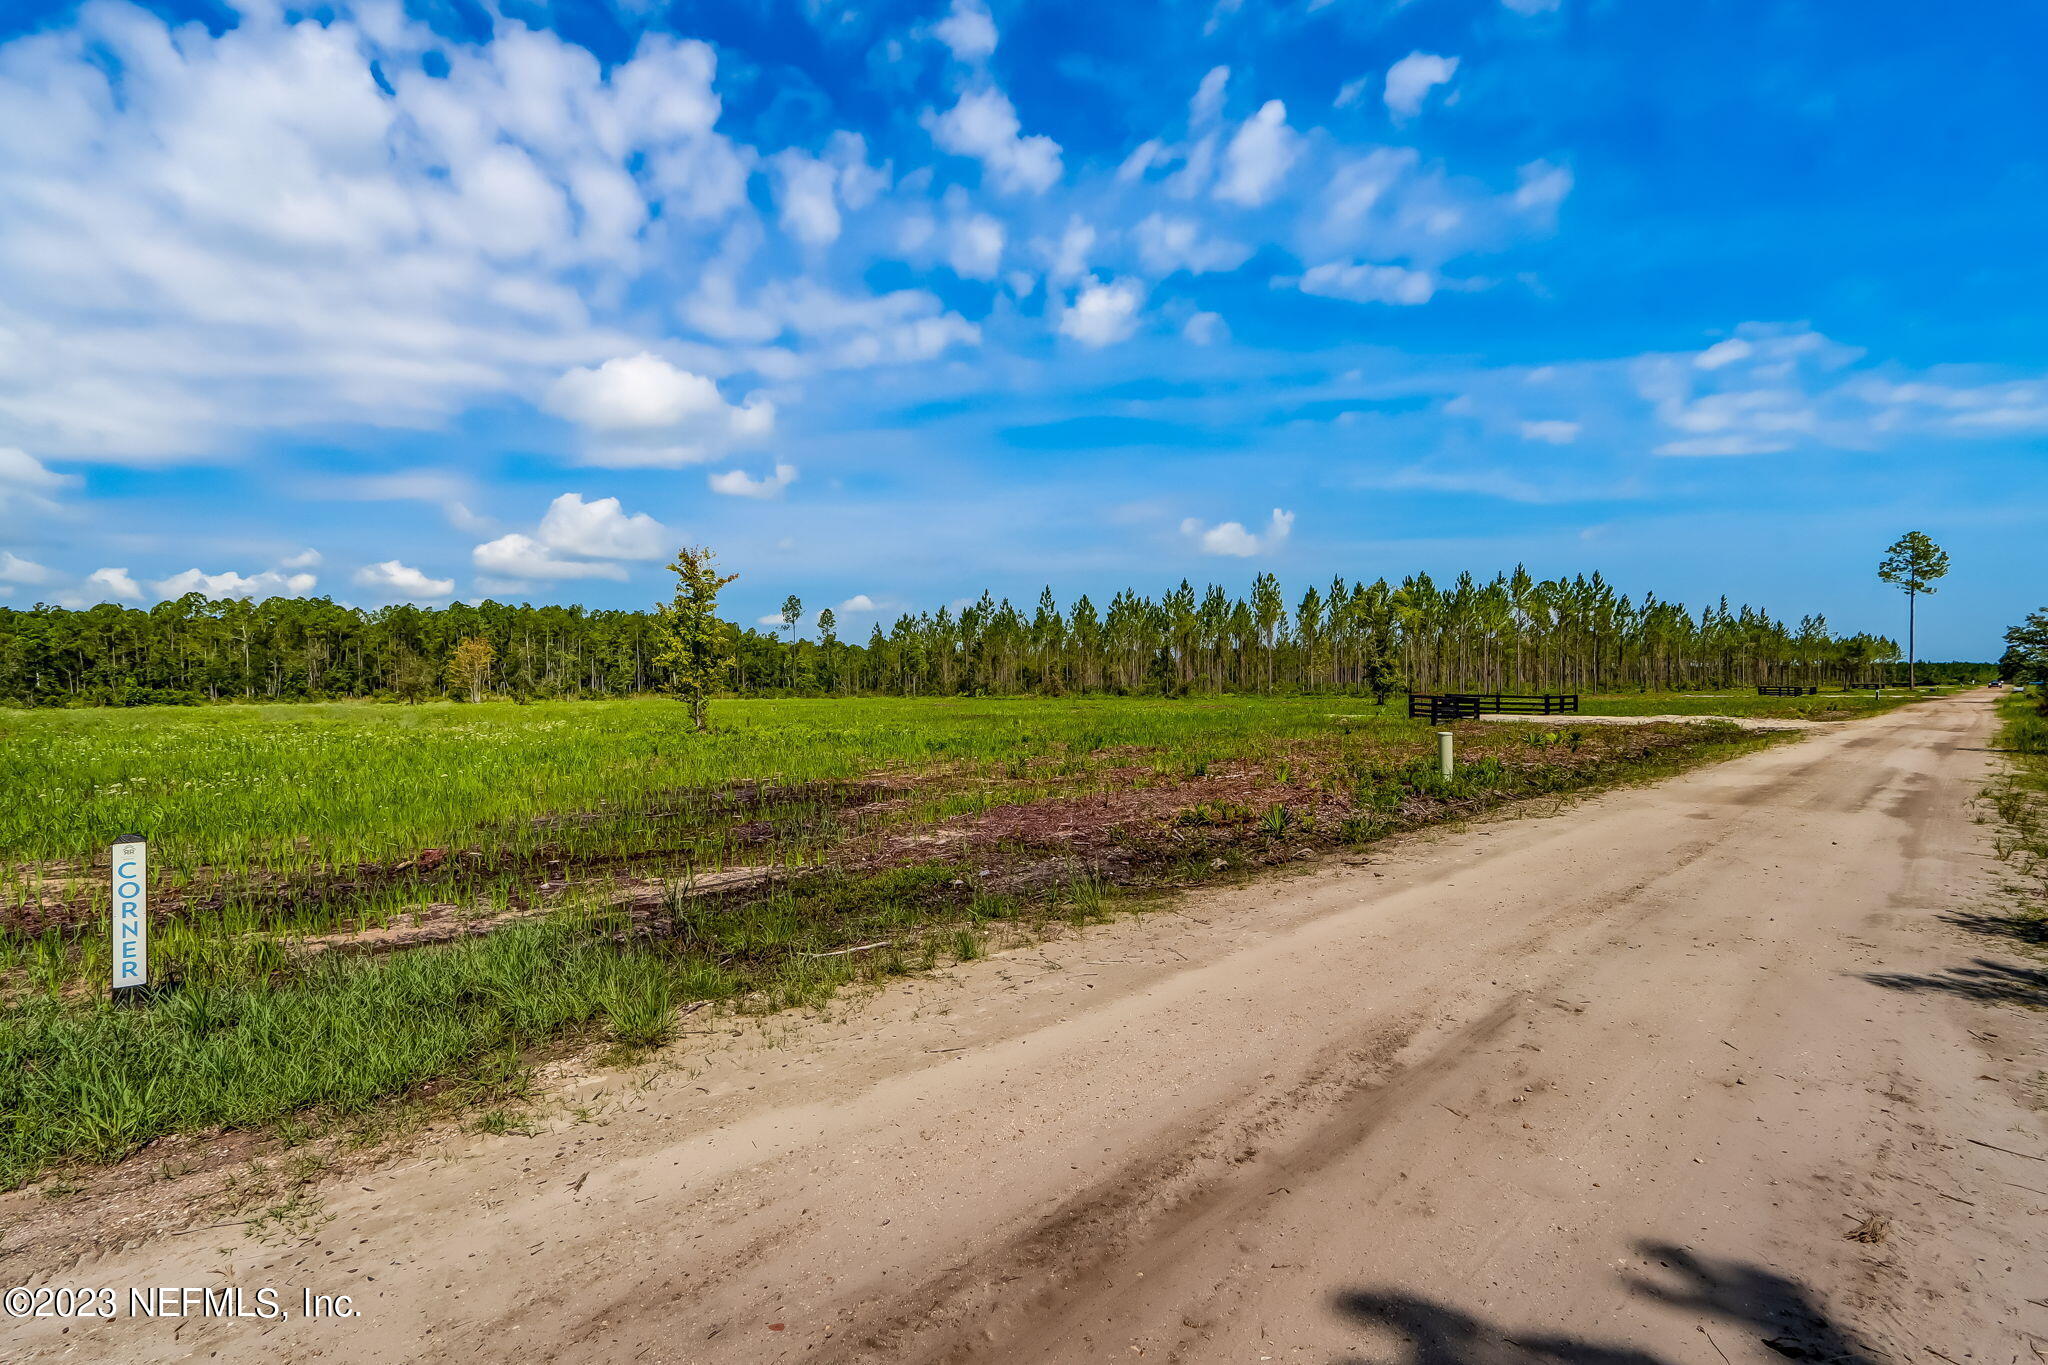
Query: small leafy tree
2026	654
695	646
1913	563
469	667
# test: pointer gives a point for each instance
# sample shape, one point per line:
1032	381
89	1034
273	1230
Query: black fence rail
1443	706
1763	691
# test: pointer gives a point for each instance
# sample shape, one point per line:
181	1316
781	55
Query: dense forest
1511	633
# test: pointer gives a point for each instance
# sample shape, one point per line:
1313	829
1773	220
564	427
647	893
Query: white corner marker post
131	919
1443	751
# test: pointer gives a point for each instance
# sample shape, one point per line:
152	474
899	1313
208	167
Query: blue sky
893	302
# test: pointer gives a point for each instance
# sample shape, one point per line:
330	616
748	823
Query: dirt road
1613	1086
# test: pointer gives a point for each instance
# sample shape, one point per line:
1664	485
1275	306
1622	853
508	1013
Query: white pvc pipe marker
1443	751
131	913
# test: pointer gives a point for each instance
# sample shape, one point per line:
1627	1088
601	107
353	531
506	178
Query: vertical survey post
130	937
1443	752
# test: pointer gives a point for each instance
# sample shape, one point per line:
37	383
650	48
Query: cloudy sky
891	302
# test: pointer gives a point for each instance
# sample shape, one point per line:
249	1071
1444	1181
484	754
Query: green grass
1827	705
269	824
2020	798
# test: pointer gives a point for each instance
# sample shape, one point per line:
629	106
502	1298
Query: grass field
366	902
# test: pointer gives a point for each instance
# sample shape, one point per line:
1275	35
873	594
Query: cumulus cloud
391	581
304	559
523	559
1231	537
102	585
968	30
575	539
644	411
293	221
602	530
1168	243
1102	314
1259	157
1410	80
1364	282
807	191
846	331
269	583
983	125
860	601
738	484
975	246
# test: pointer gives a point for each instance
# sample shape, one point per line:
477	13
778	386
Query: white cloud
15	569
1410	80
105	584
304	559
1351	92
806	190
771	619
1543	188
1724	353
1205	329
968	30
1259	157
603	530
1168	243
1142	158
575	539
645	411
269	583
975	247
860	601
1551	432
1231	537
245	230
462	519
1102	314
523	559
392	581
1732	444
1364	282
736	483
1208	100
1067	258
24	478
983	125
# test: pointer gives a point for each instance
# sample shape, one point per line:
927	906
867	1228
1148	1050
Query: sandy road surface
1612	1086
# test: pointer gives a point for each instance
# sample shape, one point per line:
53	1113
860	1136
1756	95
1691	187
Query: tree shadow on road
2029	926
1733	1295
1984	979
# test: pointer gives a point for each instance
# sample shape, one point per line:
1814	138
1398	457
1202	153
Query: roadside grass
2019	797
896	837
1828	704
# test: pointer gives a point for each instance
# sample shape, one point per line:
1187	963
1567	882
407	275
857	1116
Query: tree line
1510	633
